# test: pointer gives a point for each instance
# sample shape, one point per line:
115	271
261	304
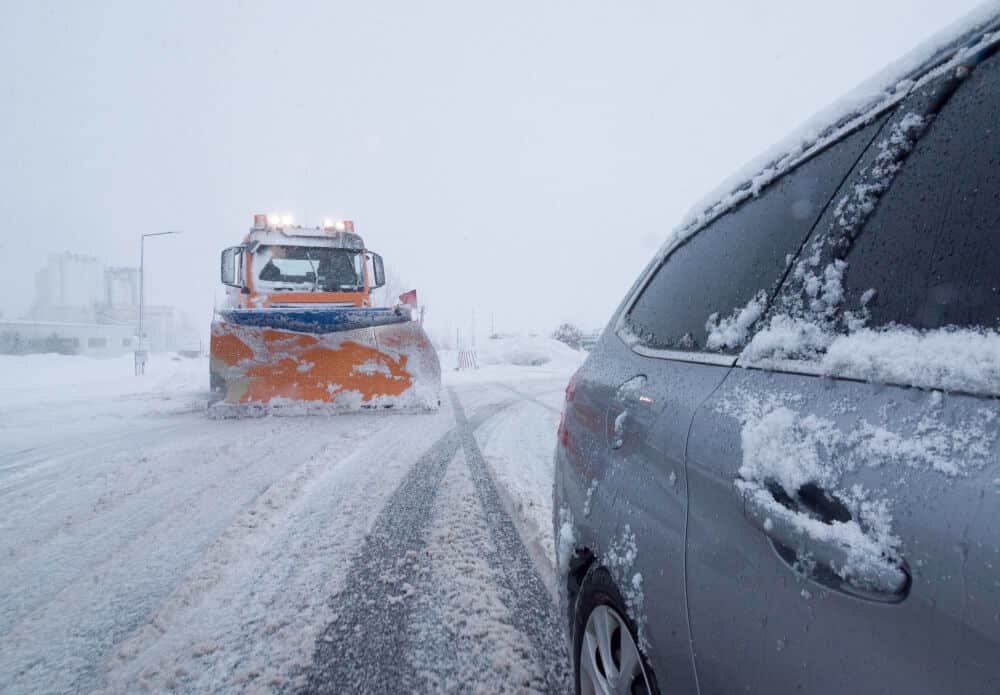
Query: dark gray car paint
756	622
756	625
651	459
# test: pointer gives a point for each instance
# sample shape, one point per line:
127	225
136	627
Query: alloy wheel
609	660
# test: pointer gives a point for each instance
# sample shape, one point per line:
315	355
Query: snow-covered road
148	547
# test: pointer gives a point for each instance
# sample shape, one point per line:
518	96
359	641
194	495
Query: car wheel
608	659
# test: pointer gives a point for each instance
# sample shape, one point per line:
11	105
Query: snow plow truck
299	333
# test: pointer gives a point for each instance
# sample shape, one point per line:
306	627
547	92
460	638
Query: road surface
153	548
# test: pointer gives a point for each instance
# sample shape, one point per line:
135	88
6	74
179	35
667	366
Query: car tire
601	609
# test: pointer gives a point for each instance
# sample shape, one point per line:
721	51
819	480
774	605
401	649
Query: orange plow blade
256	370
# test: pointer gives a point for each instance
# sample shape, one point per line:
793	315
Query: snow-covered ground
146	546
35	380
518	359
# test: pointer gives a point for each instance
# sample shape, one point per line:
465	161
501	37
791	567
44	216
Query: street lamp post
141	350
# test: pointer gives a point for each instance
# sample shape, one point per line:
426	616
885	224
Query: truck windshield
308	269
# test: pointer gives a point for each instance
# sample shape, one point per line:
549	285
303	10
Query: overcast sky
520	158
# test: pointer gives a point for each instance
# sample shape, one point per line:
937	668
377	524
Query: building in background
121	287
83	307
69	288
93	339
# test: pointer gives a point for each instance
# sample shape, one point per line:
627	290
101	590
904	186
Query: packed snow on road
148	547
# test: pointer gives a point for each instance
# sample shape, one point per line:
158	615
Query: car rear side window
738	260
929	256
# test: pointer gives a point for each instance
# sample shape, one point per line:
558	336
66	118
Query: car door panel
810	496
646	483
637	503
758	620
634	495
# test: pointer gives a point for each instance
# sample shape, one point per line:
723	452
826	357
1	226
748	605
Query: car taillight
570	394
571	387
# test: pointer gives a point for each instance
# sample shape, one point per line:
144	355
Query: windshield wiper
315	274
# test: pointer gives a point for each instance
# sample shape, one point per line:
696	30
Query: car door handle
807	526
618	430
625	398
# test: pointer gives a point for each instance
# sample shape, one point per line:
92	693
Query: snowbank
27	380
521	357
529	352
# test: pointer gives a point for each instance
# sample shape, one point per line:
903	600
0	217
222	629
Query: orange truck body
313	349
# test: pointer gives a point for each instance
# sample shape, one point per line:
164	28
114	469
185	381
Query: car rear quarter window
929	256
740	258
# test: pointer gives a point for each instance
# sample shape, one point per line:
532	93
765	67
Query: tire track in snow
531	398
518	448
533	612
368	646
266	581
362	649
461	609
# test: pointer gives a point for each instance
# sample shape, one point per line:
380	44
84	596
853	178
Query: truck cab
282	265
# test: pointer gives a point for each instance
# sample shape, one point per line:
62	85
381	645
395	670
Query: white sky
521	158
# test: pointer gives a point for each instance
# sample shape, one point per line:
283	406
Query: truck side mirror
232	267
378	269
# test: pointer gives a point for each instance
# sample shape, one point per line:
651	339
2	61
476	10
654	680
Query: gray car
779	468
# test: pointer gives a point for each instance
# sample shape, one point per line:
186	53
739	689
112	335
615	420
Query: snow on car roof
861	105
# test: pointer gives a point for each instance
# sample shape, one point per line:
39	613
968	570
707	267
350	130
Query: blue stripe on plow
309	320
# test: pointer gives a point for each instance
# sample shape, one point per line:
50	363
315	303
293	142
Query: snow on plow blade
316	360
